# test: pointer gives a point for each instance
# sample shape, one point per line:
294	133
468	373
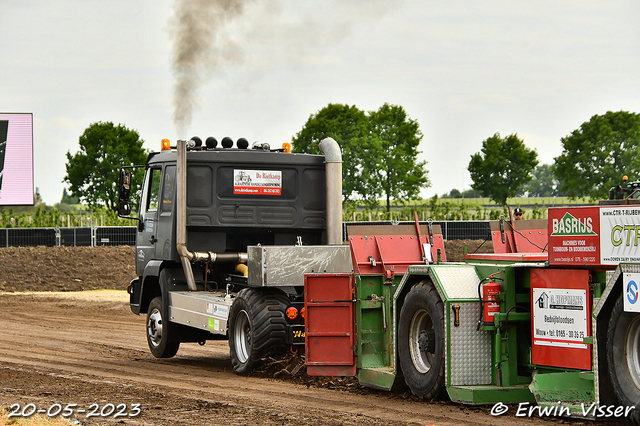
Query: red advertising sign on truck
603	236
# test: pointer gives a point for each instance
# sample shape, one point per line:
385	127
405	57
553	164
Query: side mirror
124	192
124	209
124	185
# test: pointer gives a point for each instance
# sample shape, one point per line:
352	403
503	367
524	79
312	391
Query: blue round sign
632	292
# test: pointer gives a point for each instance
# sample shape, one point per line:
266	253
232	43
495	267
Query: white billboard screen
16	159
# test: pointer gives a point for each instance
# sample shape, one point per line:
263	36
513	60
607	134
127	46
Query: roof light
292	313
166	145
211	142
227	142
286	147
242	143
197	141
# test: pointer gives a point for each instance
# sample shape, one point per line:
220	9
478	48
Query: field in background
438	209
435	208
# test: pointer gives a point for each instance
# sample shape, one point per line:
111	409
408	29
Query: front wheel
161	343
623	355
257	327
421	341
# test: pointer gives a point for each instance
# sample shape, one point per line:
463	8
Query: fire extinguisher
491	305
488	298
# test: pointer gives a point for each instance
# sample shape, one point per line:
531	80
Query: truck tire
161	342
421	341
623	356
257	327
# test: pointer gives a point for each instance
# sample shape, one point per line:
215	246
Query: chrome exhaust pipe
188	257
181	216
333	161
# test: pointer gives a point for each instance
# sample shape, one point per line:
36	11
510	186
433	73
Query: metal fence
84	236
115	236
462	230
126	235
76	236
14	237
451	230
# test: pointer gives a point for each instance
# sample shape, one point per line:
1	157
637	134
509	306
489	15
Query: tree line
380	158
594	159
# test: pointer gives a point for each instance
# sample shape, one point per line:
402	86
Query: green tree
391	162
454	193
67	202
471	193
92	173
378	150
502	168
349	127
598	154
68	199
543	183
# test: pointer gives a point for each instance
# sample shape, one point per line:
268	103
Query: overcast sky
463	69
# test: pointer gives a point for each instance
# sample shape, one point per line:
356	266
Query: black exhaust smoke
201	46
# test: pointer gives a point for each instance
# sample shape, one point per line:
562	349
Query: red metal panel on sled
520	236
532	240
378	254
330	325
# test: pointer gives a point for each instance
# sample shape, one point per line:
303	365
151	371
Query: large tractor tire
162	342
623	356
257	327
421	341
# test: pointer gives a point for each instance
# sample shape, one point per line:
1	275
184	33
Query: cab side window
153	191
168	188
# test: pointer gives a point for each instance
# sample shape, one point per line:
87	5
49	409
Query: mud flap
330	325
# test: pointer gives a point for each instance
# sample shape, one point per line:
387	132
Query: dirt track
87	348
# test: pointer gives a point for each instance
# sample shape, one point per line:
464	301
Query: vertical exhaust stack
186	256
181	228
333	161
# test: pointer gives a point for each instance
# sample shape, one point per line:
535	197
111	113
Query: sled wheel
421	341
623	356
